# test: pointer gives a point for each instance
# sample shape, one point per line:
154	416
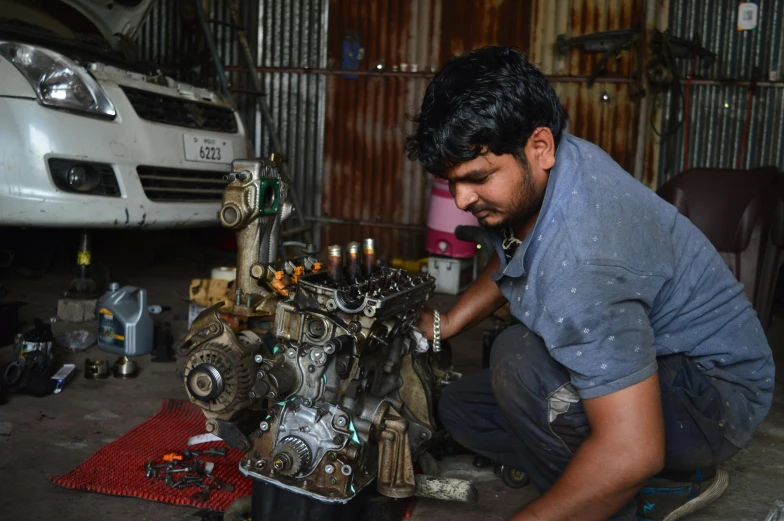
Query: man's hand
477	303
625	448
426	320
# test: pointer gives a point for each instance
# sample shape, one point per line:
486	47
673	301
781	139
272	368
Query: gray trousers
523	412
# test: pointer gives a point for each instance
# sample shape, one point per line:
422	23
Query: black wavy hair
485	100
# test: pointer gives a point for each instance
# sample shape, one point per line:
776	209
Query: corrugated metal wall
717	109
282	34
293	34
604	113
343	130
367	179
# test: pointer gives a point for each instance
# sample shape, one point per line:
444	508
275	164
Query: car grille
174	184
108	187
180	112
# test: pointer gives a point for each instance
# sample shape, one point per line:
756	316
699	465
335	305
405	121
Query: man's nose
465	196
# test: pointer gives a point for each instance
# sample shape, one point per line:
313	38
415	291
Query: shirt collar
561	180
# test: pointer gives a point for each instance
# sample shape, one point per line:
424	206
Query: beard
526	202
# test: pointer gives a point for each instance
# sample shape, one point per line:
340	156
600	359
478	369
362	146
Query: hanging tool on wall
609	43
755	74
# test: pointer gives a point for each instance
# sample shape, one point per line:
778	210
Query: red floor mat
118	468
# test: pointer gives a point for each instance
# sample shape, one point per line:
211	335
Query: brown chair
733	209
774	255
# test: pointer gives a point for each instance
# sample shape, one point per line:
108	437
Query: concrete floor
51	435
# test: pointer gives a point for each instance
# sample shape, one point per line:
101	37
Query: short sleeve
595	322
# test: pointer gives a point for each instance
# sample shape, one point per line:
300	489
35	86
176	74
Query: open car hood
116	19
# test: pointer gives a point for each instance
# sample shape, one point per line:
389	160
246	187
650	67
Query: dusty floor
51	435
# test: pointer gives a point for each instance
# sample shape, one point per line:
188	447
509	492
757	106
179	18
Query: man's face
499	190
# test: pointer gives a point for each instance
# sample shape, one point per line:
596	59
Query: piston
335	263
369	255
352	261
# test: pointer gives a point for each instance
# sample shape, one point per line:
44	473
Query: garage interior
679	92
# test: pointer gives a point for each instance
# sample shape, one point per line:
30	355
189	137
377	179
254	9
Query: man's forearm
477	303
625	448
596	484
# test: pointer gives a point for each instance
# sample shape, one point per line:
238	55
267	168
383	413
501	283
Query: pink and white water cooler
452	262
444	215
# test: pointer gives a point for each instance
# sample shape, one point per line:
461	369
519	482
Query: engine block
329	387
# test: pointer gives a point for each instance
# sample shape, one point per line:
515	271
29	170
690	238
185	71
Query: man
637	354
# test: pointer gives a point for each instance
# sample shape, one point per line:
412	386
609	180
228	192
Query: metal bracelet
436	332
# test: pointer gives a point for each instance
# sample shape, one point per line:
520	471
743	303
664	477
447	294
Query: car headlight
58	81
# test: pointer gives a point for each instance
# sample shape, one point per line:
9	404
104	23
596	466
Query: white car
88	140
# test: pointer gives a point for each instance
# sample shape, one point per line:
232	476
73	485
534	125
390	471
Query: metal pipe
375	224
551	79
213	51
649	23
411	74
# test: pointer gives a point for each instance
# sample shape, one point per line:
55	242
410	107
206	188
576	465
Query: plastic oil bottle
124	324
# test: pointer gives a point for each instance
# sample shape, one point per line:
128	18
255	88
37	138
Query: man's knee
449	405
465	399
521	366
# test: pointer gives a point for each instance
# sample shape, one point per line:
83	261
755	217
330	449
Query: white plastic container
124	324
452	275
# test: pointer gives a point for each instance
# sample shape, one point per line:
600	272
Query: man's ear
540	149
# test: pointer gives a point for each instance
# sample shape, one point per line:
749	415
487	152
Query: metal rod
649	23
412	75
371	224
213	51
266	114
427	74
294	231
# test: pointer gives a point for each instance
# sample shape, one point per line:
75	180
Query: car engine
328	388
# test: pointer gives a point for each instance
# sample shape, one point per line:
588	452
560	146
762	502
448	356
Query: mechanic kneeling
638	362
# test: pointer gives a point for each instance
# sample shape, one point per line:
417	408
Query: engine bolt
264	426
329	469
291	353
258	359
345	470
340	421
311	368
260	464
272	394
423	436
251	394
260	374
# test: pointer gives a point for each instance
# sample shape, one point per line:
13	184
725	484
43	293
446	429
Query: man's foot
671	496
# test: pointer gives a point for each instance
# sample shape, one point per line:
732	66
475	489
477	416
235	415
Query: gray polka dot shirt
612	277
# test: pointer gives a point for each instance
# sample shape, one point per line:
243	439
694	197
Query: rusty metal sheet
605	113
366	174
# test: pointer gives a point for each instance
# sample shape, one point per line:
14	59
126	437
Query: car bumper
31	134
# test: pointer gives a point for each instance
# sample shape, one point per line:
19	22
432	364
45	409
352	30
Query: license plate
207	149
